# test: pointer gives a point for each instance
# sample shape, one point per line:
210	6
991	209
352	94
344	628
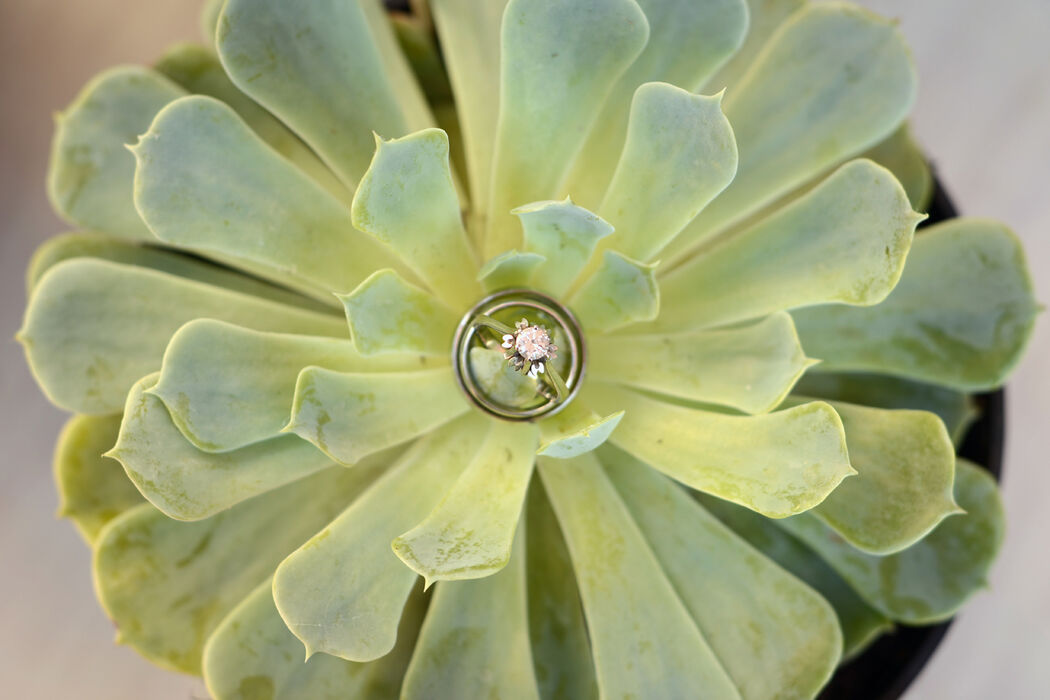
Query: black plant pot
886	669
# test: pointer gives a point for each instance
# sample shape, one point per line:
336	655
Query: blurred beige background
983	115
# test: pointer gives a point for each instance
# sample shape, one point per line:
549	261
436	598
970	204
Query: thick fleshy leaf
407	200
92	490
90	174
559	61
469	533
930	580
388	315
167	584
961	315
87	244
198	70
750	368
645	642
906	466
620	292
331	71
901	155
561	652
474	642
860	623
838	78
93	328
508	270
679	154
778	464
500	382
350	415
470	44
343	591
251	654
227	387
565	235
844	241
688	40
187	484
775	636
574	430
209	20
205	181
763	18
955	408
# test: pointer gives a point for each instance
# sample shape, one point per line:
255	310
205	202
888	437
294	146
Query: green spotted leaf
89	178
331	71
428	234
644	641
574	430
930	580
749	368
93	328
388	315
508	270
474	642
168	584
899	153
775	636
845	241
92	490
961	315
565	235
350	415
469	532
620	292
343	591
778	464
678	155
559	61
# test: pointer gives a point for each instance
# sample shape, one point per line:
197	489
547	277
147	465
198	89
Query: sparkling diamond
533	343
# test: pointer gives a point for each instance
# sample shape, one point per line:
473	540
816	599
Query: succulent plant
604	319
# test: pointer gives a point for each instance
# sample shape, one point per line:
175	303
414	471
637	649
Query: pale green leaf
407	200
957	409
205	181
621	291
343	591
561	652
860	623
469	31
688	40
778	464
331	71
350	415
906	466
227	387
87	244
574	430
469	532
749	368
644	641
559	61
961	315
92	490
901	155
90	173
775	636
833	80
209	19
251	655
474	642
930	580
845	241
508	270
198	70
388	315
678	155
763	18
187	484
92	328
565	235
167	584
498	380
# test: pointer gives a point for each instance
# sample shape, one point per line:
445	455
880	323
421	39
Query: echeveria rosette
257	327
